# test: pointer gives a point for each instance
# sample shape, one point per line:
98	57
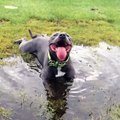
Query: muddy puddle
95	88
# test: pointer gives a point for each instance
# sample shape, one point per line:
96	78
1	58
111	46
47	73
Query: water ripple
96	86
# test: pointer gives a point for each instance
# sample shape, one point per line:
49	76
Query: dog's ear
68	35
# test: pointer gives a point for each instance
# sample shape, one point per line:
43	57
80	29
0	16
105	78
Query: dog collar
56	63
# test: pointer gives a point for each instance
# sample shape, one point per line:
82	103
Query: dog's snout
62	36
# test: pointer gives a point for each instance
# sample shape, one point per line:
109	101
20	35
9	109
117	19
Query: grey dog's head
60	45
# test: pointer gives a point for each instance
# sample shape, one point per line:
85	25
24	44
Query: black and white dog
52	53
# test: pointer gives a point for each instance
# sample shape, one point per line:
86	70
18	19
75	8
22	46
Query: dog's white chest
59	72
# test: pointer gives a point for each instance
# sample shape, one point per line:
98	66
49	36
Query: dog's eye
67	35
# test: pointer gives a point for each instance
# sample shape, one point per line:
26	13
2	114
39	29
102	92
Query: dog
52	52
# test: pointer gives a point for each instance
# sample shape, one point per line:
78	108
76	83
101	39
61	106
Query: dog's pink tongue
61	53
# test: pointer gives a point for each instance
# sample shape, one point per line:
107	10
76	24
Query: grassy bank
88	21
82	32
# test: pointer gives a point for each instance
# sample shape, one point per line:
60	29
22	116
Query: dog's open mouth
60	44
61	51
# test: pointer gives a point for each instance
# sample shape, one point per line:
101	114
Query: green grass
107	10
87	21
5	114
114	112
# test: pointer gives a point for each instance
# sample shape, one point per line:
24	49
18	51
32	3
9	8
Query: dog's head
60	45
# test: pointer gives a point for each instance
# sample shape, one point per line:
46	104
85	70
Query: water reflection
57	92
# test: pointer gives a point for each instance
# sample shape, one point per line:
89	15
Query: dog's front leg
69	73
48	73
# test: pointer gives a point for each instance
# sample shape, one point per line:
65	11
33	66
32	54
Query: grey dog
52	53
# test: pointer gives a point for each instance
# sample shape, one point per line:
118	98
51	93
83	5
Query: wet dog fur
51	48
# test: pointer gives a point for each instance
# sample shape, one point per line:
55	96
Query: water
95	88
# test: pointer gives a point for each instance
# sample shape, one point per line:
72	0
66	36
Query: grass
5	114
88	21
107	10
83	32
114	112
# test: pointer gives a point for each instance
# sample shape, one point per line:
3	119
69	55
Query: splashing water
95	87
